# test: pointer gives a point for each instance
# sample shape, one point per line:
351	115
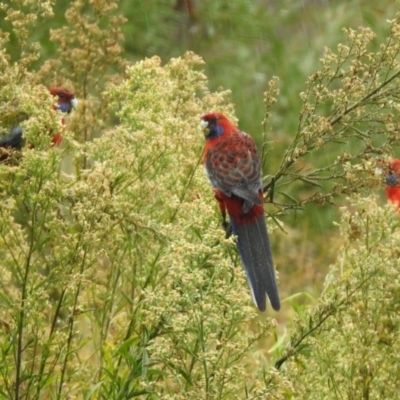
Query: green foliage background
117	281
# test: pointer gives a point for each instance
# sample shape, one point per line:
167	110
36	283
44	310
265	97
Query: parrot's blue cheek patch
63	107
219	129
216	131
392	180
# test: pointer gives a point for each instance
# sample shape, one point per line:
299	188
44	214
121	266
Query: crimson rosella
66	101
392	180
234	170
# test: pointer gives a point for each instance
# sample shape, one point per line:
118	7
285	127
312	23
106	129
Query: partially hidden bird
391	172
14	140
233	167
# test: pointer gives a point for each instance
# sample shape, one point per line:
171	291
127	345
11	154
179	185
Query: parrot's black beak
204	126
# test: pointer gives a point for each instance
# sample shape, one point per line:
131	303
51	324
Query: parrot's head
393	176
391	171
214	124
66	100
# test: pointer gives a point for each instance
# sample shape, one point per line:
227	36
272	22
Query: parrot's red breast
234	169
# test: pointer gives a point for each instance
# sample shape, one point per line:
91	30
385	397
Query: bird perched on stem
234	169
66	101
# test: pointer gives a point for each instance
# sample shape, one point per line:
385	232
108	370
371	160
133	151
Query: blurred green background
244	43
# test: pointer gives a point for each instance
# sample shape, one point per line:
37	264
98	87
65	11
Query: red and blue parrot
233	167
392	179
66	101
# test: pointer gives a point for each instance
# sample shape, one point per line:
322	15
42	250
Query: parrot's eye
215	120
62	96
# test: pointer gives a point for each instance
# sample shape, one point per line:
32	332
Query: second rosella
391	172
234	169
66	101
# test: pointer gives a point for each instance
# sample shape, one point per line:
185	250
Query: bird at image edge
233	167
391	172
